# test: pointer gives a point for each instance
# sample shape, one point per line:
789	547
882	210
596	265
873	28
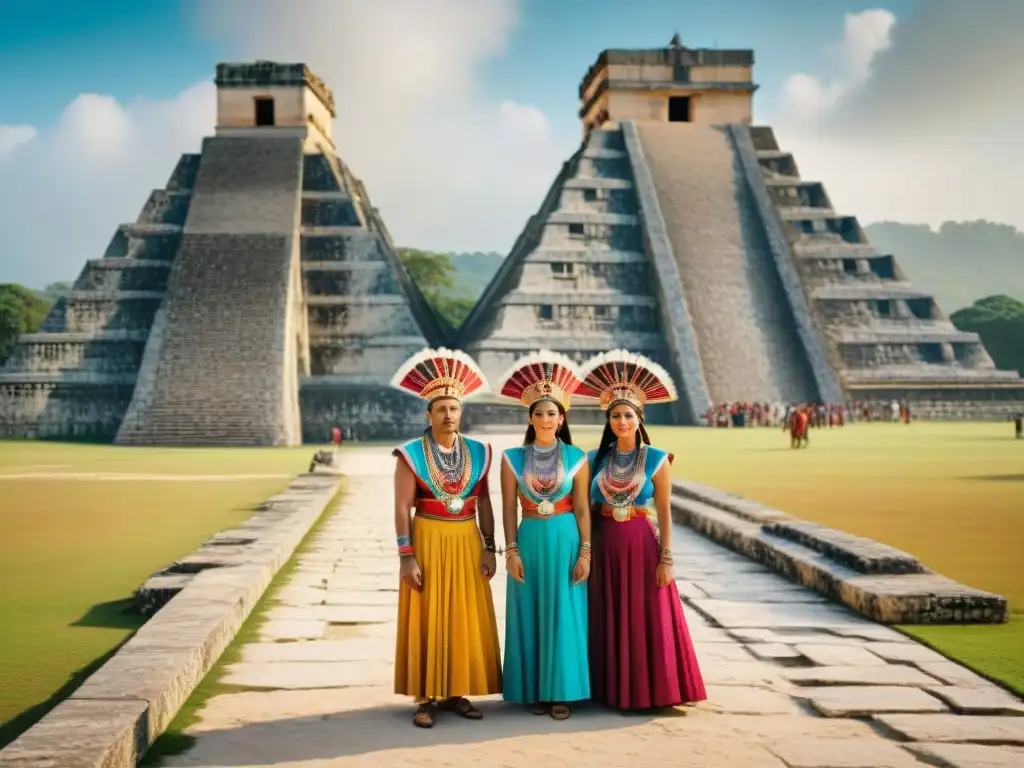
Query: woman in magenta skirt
641	654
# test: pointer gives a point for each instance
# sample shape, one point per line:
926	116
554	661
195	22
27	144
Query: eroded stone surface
353	649
731	614
892	674
746	700
952	673
907	653
861	700
839	655
979	701
843	753
978	729
773	651
319	674
970	755
82	734
292	630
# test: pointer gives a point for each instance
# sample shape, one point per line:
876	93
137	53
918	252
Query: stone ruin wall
74	378
361	314
229	307
577	281
876	326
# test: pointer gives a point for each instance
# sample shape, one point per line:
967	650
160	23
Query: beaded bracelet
405	551
511	550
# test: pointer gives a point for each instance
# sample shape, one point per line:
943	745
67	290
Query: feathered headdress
621	376
543	375
435	373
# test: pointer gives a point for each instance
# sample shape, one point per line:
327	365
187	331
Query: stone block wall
219	372
876	326
89	410
950	403
578	280
364	412
75	377
748	342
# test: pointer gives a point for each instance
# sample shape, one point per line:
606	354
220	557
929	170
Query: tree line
998	320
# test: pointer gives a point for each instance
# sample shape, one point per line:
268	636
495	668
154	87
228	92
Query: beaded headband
545	375
433	374
620	376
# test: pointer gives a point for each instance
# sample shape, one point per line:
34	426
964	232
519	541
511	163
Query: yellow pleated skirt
447	632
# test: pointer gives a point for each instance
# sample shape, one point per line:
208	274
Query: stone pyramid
257	300
680	230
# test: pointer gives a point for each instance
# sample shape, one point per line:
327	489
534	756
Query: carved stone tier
579	279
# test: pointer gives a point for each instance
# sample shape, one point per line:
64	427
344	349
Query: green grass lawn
951	494
73	550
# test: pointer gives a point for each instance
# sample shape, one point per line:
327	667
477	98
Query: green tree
434	274
999	321
21	311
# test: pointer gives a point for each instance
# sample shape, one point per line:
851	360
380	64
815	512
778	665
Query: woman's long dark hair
562	433
608	438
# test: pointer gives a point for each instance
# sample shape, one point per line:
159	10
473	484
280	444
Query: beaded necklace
449	473
623	476
543	472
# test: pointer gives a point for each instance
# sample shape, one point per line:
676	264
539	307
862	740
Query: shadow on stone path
793	680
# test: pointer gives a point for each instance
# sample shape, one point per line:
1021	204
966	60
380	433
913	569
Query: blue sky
155	49
457	114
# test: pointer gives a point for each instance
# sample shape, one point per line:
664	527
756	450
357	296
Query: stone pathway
794	681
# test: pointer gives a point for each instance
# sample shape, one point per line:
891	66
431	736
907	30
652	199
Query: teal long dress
546	622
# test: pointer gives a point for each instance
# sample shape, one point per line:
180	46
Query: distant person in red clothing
798	428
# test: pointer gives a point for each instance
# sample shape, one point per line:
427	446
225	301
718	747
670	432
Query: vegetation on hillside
999	320
434	274
958	263
21	311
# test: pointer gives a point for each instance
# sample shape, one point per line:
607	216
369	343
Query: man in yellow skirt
447	646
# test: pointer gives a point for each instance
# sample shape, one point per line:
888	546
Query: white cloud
63	194
14	136
449	165
865	35
916	122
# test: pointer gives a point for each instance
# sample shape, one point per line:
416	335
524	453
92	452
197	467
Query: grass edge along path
174	740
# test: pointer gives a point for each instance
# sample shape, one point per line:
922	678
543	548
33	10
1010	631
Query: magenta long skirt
641	654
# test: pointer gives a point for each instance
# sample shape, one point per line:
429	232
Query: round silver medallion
620	514
455	505
546	507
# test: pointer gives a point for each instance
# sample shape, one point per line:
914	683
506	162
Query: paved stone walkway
794	681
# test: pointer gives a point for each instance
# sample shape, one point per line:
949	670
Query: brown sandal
424	717
540	708
560	712
462	707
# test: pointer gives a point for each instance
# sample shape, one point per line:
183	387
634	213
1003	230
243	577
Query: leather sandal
424	717
539	708
462	707
560	712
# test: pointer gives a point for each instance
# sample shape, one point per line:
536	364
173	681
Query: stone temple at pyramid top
673	84
261	97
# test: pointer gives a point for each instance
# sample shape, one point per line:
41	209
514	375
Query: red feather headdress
436	373
545	374
621	376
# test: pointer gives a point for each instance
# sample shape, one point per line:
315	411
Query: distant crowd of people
799	418
819	414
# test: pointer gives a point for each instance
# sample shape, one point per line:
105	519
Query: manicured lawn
951	494
73	550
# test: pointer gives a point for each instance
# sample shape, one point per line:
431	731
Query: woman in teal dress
548	553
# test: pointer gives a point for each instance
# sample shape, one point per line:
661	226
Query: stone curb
854	571
119	711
